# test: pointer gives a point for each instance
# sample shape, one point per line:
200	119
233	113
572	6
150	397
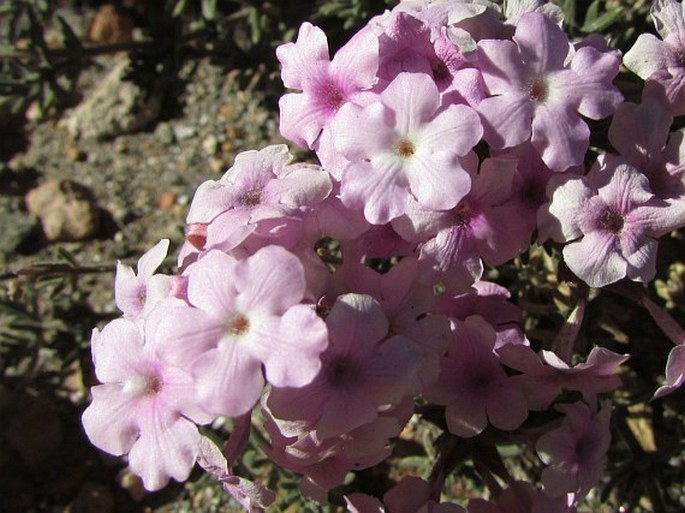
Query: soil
138	186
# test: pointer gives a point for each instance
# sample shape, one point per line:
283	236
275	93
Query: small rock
67	210
183	132
74	153
111	26
167	200
210	145
164	133
117	106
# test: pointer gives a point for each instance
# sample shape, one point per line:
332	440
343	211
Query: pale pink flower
145	405
410	44
611	221
490	301
407	304
136	294
261	194
325	463
361	374
575	452
455	242
404	146
326	85
539	92
641	134
661	60
545	375
245	315
473	385
675	372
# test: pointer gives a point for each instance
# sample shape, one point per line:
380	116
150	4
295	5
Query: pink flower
490	301
660	60
479	228
246	314
261	194
407	305
538	95
473	385
362	372
404	146
611	220
675	372
145	405
136	294
575	451
545	375
326	85
325	463
641	134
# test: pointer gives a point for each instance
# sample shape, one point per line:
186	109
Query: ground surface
139	186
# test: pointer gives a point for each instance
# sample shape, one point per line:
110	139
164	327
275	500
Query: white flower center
144	384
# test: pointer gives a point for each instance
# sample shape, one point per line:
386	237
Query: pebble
210	145
183	132
66	209
111	25
164	133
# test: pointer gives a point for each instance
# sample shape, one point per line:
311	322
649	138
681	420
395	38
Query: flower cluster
339	302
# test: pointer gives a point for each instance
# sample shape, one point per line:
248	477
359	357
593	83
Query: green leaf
591	14
604	21
209	10
179	8
570	12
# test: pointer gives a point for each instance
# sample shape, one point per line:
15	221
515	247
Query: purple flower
611	220
538	94
404	146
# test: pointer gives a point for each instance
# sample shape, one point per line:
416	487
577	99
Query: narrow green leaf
592	13
179	8
604	21
209	10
